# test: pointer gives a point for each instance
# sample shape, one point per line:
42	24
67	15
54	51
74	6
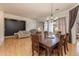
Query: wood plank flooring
22	47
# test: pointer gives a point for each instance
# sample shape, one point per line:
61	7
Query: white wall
1	27
30	24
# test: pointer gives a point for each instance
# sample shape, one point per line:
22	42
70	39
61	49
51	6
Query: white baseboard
9	36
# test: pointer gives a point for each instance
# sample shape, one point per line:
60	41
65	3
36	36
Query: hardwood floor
22	47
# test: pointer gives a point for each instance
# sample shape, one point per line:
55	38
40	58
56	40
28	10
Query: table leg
48	52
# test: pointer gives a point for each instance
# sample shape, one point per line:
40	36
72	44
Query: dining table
49	43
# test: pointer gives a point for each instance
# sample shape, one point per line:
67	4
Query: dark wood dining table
49	43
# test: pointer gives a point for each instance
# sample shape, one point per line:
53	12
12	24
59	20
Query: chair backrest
60	44
60	39
59	35
66	37
35	41
45	34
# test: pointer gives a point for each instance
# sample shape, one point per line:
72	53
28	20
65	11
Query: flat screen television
13	26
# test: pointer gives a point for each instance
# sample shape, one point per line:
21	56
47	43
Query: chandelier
51	17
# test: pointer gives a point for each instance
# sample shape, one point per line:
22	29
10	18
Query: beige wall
1	27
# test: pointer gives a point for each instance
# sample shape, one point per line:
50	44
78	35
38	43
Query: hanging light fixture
51	17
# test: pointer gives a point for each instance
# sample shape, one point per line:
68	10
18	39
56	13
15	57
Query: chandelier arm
51	10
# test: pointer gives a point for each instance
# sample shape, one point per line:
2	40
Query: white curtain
61	24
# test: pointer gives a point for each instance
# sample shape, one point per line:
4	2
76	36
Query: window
61	24
48	26
45	26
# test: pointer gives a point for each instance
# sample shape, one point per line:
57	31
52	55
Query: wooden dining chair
65	39
58	50
60	45
45	34
35	44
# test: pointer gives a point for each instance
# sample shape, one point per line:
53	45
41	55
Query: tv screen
13	26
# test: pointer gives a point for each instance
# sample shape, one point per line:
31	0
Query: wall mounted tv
12	26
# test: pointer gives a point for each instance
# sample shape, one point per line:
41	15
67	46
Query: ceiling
34	10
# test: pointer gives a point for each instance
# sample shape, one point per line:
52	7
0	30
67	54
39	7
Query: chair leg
67	46
32	53
55	51
65	49
61	51
38	53
58	52
45	53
